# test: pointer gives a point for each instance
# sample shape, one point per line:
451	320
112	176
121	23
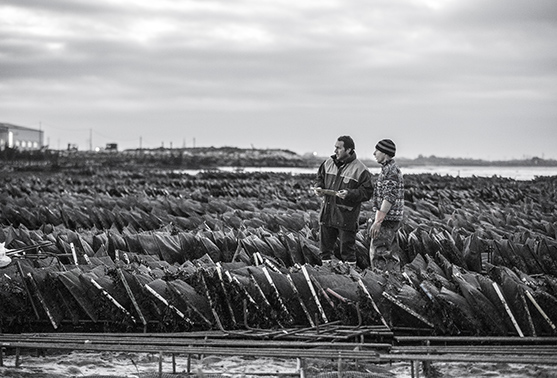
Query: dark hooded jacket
351	175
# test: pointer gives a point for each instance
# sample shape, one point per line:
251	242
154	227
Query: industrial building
19	137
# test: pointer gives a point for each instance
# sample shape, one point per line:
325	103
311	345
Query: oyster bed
160	251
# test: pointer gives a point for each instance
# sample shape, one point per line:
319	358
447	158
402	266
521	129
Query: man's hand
342	193
374	230
376	226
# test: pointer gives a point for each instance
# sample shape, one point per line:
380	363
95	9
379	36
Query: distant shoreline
211	158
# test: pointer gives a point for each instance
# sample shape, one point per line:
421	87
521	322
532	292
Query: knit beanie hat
387	146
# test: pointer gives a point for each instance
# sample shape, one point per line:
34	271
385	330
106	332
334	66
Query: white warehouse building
19	137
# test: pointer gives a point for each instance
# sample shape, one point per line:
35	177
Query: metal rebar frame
534	350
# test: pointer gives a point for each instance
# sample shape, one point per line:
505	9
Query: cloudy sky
474	78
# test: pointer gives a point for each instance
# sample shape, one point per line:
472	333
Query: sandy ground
141	365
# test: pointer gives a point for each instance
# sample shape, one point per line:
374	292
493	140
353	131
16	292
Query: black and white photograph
268	188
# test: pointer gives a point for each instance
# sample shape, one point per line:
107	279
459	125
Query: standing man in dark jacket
343	182
388	204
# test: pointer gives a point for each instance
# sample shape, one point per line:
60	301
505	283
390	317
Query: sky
470	79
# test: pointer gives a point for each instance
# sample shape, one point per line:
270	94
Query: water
515	173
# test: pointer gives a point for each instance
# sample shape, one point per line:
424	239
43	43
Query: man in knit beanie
388	205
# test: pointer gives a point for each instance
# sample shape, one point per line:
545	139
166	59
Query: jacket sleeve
320	178
363	191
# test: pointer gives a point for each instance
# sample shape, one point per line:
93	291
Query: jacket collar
340	163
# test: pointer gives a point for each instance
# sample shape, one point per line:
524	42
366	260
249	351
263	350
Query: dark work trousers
328	237
380	249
